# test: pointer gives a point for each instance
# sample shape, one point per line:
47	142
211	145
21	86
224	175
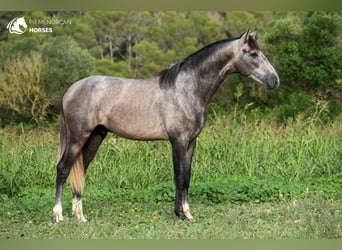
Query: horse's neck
210	77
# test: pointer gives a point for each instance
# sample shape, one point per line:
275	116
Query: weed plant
228	148
251	179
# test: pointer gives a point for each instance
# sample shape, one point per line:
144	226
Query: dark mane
167	77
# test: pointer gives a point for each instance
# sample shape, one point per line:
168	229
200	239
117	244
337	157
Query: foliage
29	216
269	169
311	56
299	152
239	190
149	58
245	183
35	76
254	178
66	63
20	46
305	48
309	59
107	67
22	92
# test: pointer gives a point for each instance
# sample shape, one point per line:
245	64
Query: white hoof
77	210
81	217
188	215
57	211
186	211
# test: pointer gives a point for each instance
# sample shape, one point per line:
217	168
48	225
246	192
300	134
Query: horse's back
86	85
127	107
97	89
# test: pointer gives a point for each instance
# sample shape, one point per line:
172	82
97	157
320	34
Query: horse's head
251	62
21	22
14	26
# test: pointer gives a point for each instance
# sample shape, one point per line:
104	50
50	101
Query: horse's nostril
275	80
272	82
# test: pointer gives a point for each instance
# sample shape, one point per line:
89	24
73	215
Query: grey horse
169	106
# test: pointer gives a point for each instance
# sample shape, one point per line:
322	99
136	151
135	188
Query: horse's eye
254	55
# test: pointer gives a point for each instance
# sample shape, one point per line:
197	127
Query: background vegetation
305	48
268	164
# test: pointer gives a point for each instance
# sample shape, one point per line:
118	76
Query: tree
174	31
149	59
309	59
104	28
22	46
237	22
208	26
66	63
309	54
320	49
117	68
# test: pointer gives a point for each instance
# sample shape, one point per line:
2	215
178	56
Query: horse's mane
167	77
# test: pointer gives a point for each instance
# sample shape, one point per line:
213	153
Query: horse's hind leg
92	145
70	155
88	152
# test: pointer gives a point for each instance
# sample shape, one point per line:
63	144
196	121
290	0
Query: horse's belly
137	126
131	110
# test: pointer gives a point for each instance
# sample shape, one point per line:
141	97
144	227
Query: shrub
22	90
67	62
308	55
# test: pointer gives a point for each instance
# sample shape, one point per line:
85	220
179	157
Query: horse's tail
76	176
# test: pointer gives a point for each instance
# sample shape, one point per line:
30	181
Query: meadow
251	178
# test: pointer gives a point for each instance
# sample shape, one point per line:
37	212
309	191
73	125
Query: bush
21	46
293	105
67	62
107	67
23	94
308	55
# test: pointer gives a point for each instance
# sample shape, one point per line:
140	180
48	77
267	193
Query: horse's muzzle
272	82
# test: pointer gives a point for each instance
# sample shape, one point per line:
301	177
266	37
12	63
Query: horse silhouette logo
17	25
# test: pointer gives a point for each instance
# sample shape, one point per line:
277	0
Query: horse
168	106
14	26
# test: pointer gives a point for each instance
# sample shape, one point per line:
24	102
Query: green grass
30	216
250	179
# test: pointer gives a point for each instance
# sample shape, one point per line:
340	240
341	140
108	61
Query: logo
17	25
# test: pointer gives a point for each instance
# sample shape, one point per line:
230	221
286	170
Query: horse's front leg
182	152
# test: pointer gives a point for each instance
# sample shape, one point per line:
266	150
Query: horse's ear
244	37
253	35
248	40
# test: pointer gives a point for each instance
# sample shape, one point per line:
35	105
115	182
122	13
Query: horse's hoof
184	216
188	216
81	218
57	211
59	218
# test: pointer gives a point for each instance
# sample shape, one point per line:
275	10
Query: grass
29	216
250	179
